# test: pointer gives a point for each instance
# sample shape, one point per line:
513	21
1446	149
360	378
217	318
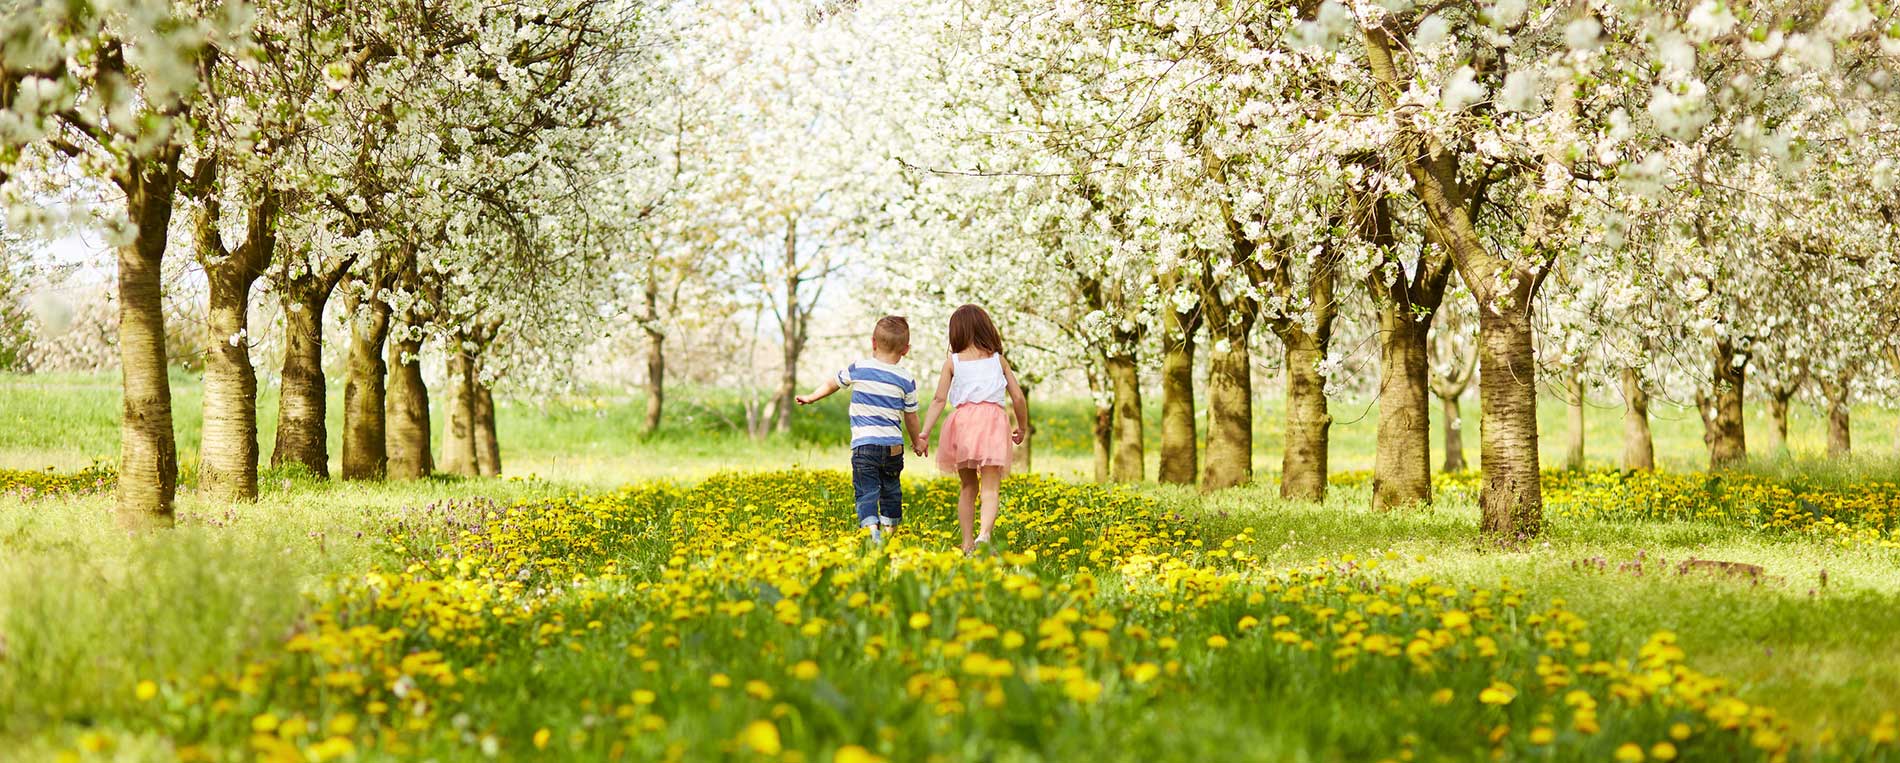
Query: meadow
698	596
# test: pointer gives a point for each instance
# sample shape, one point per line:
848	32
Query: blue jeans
874	472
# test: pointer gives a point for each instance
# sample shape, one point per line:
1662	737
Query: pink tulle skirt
976	436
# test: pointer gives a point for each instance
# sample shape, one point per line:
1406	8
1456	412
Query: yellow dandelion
761	737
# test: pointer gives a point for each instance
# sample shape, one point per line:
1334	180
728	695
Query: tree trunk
458	437
1229	414
228	449
148	454
1512	501
1778	420
487	448
1179	447
365	455
228	454
1019	456
407	411
1722	420
656	379
1454	435
1303	463
1127	464
1839	437
1402	460
1104	437
793	326
1179	452
1639	451
1573	390
302	432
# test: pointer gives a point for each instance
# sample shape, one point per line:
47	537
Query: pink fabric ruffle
976	436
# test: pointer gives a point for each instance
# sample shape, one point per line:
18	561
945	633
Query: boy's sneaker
877	534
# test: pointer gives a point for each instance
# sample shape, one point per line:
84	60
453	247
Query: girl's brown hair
969	325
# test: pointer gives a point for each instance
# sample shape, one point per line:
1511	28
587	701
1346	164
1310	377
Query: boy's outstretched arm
823	391
1019	402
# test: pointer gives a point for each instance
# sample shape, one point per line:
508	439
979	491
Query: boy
881	393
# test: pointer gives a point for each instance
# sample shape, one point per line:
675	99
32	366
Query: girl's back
978	381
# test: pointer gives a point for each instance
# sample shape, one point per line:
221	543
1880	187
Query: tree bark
1407	304
1778	420
1449	389
365	453
1229	414
1127	464
148	454
458	437
794	328
406	409
1102	428
1722	421
1573	391
1104	438
656	379
303	406
228	452
1454	435
1179	450
1303	462
487	447
1639	451
1840	442
1020	461
1512	501
1402	459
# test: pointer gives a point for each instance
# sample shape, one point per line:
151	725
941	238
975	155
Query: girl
976	381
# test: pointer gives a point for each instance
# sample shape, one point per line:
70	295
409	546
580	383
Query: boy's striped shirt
881	393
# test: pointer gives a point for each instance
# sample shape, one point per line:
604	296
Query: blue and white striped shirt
881	393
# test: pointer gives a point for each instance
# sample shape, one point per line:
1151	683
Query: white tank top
978	381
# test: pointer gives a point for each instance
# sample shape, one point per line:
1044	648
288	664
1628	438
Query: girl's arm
1019	401
922	442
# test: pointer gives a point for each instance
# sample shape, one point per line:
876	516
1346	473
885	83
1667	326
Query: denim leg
891	491
867	482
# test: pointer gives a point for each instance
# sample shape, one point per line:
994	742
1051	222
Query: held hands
921	448
805	399
1016	435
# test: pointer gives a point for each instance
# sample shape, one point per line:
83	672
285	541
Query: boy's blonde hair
892	333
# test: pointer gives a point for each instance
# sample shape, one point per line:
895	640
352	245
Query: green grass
86	610
67	421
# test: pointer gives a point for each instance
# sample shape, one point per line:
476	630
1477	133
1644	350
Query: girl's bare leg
966	505
990	481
